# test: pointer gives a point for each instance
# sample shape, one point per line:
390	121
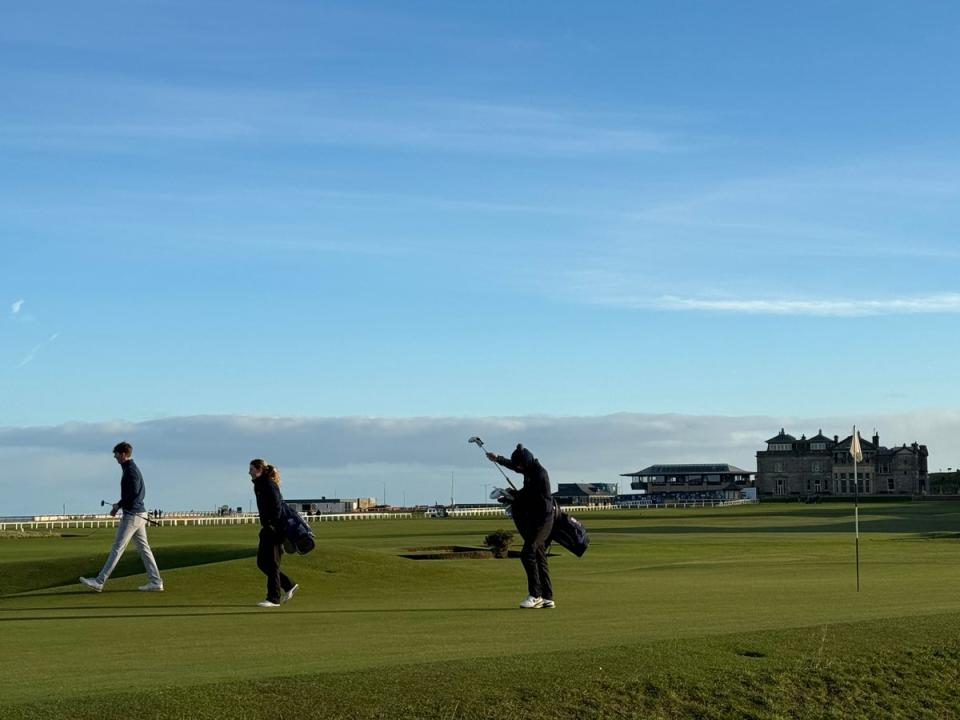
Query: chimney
876	439
836	439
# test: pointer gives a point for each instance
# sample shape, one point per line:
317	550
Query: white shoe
548	605
288	595
531	602
151	587
92	584
267	603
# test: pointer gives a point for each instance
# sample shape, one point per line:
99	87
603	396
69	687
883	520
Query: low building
945	483
586	493
716	479
331	506
822	466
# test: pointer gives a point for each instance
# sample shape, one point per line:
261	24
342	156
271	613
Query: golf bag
568	532
298	537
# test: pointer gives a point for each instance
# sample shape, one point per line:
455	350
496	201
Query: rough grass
728	613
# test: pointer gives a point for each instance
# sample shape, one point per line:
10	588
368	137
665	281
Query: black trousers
533	556
268	560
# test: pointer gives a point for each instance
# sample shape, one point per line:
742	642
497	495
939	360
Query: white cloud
33	353
376	118
200	462
15	307
836	307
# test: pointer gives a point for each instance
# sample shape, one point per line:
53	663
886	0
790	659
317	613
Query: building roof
709	469
864	444
782	438
820	437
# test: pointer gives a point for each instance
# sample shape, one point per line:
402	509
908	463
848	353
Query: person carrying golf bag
532	508
132	525
266	487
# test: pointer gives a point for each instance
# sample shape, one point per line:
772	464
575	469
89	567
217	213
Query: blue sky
336	210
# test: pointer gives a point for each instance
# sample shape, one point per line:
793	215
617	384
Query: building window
891	485
780	490
808	484
778	467
818	446
815	467
843	486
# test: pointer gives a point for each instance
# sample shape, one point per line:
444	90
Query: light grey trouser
135	527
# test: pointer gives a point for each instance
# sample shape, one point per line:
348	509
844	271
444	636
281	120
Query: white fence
684	504
244	519
253	518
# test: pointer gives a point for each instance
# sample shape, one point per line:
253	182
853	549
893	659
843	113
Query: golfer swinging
133	525
533	516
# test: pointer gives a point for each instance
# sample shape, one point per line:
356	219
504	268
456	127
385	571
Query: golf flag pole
857	454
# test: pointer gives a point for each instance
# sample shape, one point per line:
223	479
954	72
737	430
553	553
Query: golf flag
857	453
855	450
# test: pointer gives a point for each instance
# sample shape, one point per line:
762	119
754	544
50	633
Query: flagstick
856	516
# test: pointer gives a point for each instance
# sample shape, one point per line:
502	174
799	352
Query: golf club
479	443
146	517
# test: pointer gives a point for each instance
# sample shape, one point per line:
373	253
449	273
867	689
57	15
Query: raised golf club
479	443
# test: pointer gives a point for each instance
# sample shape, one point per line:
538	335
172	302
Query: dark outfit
271	537
533	516
132	491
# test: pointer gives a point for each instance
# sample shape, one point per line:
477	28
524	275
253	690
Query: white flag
855	450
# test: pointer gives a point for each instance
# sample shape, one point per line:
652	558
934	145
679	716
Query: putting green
651	579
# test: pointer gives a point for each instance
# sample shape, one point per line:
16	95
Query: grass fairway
714	613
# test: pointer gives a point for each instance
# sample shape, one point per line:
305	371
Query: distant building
707	481
945	483
824	466
330	506
586	493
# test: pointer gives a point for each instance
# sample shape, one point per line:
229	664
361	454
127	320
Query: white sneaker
151	587
548	605
267	603
531	602
288	595
92	584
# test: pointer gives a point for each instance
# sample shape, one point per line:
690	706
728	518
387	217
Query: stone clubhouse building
823	466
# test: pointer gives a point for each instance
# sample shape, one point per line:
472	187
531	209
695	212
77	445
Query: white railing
253	519
245	519
470	512
635	505
358	516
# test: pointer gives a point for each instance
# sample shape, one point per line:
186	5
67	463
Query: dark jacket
269	504
132	490
533	501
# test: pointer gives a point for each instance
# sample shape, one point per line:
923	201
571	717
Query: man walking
133	524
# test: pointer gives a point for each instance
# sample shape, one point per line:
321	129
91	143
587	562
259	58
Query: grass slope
737	612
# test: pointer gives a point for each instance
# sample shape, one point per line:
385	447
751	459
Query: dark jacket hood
522	458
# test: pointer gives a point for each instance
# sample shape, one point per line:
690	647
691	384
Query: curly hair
268	470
